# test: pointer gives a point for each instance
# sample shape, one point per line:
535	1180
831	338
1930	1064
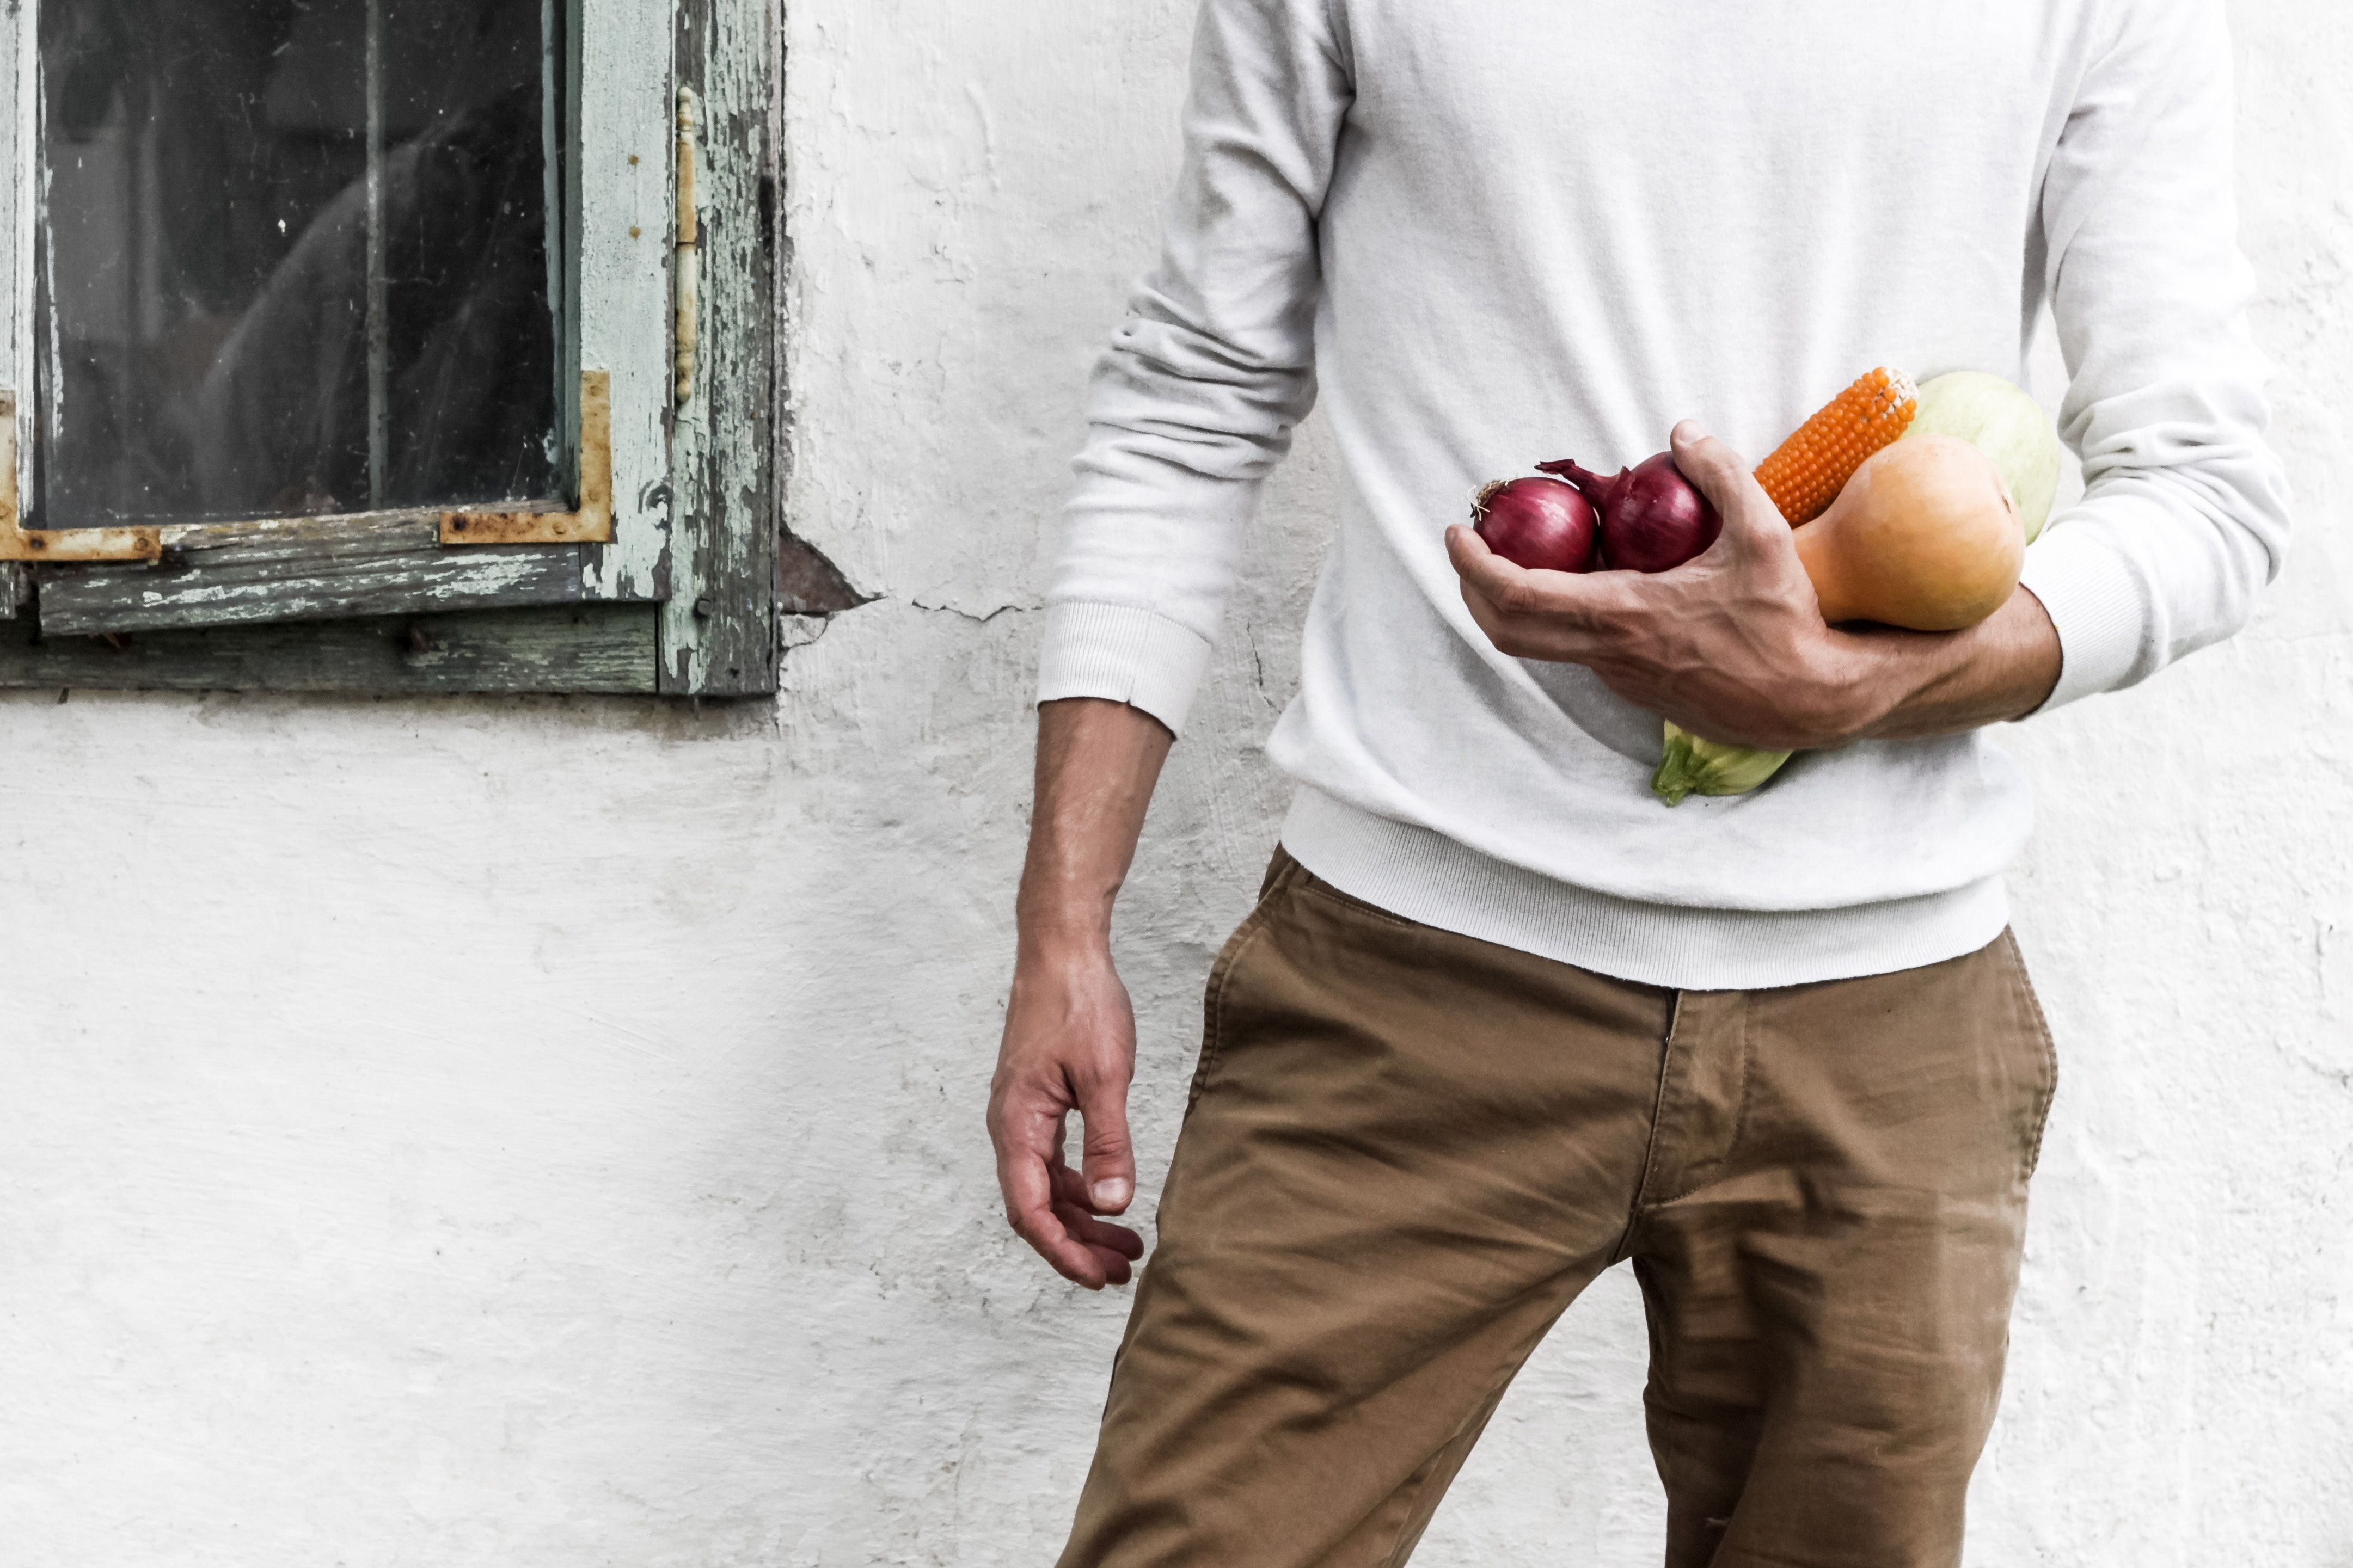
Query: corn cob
1806	474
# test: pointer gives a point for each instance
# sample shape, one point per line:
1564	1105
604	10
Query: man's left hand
1730	646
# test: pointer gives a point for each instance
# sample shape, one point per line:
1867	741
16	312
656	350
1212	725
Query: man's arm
1733	646
2185	514
1191	408
1210	375
1070	1033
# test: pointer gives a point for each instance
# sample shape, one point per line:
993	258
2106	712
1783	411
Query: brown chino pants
1407	1152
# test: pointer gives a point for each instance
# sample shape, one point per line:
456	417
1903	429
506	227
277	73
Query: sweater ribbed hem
1122	655
1425	877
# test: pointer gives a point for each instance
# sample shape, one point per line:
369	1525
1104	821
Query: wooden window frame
673	590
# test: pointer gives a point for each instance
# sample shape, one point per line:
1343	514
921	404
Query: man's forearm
1925	684
1097	764
1070	1029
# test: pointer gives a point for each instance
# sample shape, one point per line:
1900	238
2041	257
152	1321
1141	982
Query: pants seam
1748	1077
1405	1536
1662	1359
1651	1150
2025	985
1213	1041
1704	1172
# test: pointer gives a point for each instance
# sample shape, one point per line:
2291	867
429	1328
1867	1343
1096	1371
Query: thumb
1724	477
1108	1158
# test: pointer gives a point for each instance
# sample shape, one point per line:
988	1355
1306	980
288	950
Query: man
1500	1020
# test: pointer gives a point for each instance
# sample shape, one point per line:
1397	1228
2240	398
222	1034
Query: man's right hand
1070	1045
1070	1033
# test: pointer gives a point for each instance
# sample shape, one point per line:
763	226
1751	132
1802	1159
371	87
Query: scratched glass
294	259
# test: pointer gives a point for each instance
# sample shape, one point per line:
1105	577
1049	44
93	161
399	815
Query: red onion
1544	525
1652	518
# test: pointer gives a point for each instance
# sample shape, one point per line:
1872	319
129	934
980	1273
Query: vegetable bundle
1913	507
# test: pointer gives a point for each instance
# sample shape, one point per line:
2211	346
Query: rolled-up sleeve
1198	395
2185	516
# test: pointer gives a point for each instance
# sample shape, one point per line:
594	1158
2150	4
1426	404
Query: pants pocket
2046	1050
1281	870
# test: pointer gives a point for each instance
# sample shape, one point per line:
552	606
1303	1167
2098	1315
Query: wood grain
591	647
304	569
719	629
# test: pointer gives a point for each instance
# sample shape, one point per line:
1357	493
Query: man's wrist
1910	684
1063	931
1860	685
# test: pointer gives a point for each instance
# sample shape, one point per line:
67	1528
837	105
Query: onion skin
1652	518
1541	525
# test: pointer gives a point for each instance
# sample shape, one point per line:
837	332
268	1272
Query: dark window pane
473	351
295	259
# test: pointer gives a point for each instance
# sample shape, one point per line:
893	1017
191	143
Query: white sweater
1500	231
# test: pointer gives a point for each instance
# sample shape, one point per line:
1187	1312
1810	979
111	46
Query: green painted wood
385	563
718	630
718	566
624	110
580	647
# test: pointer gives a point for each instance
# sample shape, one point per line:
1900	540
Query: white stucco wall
538	1133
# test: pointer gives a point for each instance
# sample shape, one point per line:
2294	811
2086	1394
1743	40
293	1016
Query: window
392	345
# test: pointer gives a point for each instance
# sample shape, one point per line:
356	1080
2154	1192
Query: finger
1509	590
1724	477
1043	1228
1112	1247
1028	1143
1101	1234
1106	1155
1469	554
1069	1188
1483	572
1516	636
1115	1266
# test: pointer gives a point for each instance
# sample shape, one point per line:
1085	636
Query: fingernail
1111	1192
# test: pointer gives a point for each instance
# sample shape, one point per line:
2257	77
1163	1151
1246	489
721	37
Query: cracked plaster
527	1134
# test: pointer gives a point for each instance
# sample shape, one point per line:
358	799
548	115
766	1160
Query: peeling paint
536	1132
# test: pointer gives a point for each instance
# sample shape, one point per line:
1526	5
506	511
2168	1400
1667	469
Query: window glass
295	257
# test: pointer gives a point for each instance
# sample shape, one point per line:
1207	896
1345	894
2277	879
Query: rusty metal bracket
18	543
592	524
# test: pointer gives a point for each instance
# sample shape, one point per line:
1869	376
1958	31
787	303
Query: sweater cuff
2095	601
1122	655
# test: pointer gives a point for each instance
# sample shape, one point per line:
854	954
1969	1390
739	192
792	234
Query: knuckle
1518	598
1100	1074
